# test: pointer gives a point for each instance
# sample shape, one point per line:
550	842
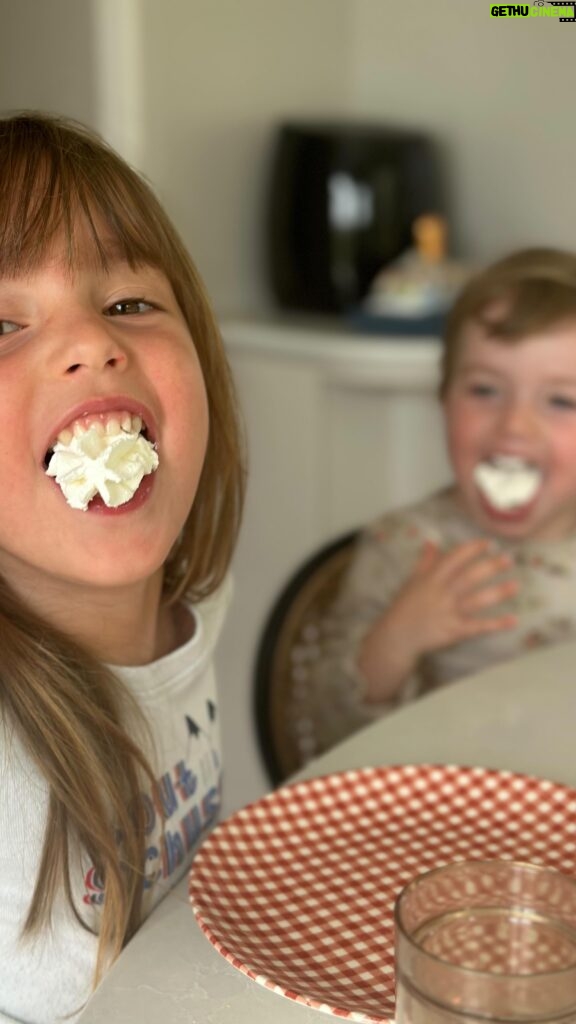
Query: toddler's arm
449	597
401	599
334	699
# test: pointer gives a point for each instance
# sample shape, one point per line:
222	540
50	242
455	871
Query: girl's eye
562	402
129	307
482	390
8	327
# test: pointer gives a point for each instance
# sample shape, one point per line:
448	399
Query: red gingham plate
297	890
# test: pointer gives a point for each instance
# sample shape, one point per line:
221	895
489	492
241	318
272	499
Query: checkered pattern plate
297	890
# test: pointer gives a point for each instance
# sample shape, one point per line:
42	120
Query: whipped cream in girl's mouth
507	482
107	459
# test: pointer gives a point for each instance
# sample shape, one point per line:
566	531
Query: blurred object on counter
414	293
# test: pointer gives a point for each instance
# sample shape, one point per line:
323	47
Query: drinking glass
486	941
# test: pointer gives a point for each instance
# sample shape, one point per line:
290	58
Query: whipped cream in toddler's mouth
106	458
507	481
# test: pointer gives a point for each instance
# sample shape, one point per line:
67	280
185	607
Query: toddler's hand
448	598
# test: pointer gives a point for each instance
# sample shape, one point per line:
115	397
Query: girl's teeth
126	422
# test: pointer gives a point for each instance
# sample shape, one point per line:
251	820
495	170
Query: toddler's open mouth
507	482
101	454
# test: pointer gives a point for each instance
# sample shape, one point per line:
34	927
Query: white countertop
519	716
331	344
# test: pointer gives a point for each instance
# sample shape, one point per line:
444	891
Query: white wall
46	57
499	94
189	90
219	76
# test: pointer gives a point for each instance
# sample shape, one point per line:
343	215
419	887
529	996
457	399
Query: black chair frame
279	765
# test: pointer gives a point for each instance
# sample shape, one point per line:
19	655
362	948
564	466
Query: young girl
122	485
485	569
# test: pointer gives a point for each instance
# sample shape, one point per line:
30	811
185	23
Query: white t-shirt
48	978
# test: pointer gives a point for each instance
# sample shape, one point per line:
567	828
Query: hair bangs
57	185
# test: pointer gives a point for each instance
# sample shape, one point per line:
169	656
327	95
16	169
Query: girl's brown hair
70	711
524	293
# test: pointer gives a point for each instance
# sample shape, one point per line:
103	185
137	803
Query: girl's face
94	343
517	399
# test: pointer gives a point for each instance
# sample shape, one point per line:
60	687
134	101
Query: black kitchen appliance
342	201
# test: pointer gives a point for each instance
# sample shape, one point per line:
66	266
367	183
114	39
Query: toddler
122	486
486	568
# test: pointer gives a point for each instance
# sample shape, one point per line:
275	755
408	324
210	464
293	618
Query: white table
520	716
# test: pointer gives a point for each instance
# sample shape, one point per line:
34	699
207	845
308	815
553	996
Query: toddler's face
513	404
74	348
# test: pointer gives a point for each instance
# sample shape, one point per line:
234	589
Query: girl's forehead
57	272
82	238
83	244
77	253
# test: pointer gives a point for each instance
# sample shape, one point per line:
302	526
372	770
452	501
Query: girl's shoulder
210	612
186	664
24	789
209	615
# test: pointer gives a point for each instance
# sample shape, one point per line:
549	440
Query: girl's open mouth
98	506
102	456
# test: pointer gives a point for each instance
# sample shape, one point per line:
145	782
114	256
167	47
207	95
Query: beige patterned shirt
386	554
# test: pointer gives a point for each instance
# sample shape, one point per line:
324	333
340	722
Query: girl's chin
112	574
113	562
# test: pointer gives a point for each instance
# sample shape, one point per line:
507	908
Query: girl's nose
91	346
